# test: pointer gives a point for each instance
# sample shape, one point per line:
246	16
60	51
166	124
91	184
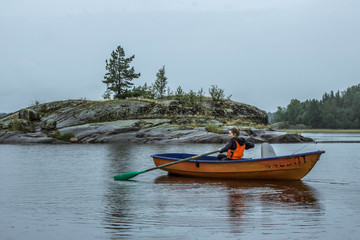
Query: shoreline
168	134
320	130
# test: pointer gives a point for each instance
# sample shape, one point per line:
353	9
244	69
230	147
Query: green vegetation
17	126
216	93
160	83
119	76
144	91
333	111
62	136
214	129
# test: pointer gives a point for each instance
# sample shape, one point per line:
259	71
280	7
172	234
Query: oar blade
127	176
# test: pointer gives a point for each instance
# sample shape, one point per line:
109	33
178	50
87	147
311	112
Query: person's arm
227	147
249	145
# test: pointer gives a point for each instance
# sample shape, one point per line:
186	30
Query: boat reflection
256	199
286	192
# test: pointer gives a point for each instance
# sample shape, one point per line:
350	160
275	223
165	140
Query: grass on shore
321	130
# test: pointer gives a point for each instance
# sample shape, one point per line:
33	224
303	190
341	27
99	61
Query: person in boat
235	146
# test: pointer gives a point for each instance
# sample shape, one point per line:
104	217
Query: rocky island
138	121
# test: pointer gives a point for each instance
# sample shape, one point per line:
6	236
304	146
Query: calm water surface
68	192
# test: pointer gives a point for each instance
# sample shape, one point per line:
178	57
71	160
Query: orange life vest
237	153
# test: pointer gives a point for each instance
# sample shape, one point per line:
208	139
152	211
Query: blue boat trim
213	159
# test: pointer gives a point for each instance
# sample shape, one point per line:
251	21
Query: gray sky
262	52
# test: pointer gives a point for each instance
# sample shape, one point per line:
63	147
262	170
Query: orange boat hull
292	167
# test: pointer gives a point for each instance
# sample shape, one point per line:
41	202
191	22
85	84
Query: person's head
234	132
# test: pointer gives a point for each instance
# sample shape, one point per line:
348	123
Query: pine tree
119	76
179	93
160	83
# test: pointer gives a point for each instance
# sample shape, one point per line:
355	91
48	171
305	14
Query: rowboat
287	167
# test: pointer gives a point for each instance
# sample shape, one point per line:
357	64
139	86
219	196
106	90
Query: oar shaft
180	161
127	176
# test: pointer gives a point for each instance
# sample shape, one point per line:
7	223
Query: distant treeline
2	114
340	110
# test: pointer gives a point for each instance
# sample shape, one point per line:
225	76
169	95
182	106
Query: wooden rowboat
288	167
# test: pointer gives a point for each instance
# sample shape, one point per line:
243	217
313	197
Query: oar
127	176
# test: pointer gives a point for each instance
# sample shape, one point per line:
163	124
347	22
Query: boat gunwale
161	156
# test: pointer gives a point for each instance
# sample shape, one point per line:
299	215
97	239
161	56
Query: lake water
68	192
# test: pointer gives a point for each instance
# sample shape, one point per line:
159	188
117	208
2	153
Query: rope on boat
306	145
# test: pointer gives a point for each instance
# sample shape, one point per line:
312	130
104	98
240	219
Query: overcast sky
262	52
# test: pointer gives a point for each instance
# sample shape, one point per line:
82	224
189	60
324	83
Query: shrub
213	128
216	93
190	99
179	94
62	136
17	126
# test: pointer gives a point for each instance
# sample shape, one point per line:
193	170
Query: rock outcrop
144	121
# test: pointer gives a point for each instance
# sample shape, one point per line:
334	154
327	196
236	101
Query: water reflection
160	208
118	211
262	199
287	193
251	199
